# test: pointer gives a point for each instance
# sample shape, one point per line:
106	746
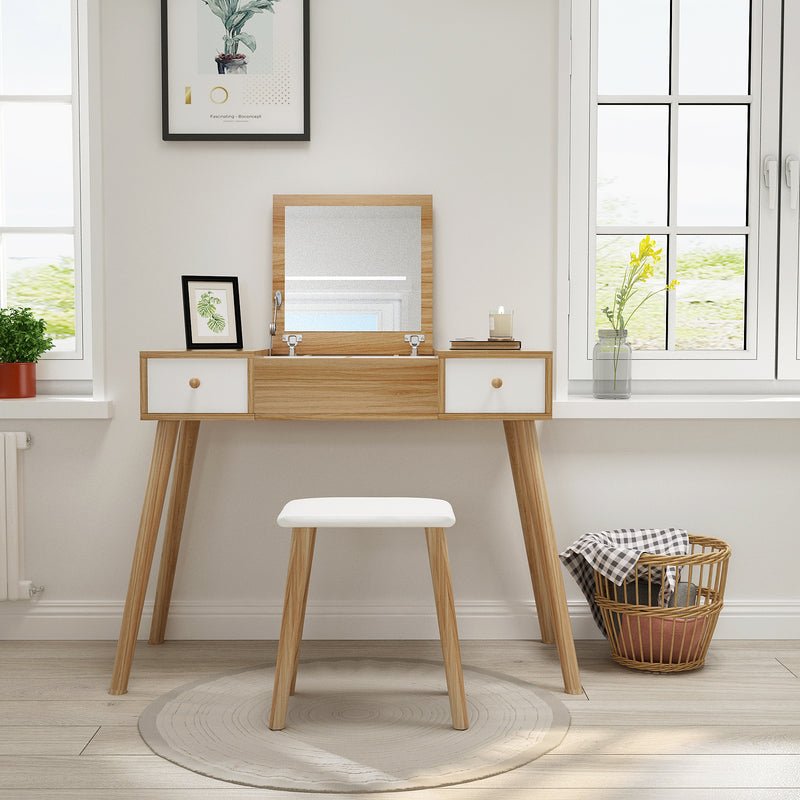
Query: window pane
714	53
40	274
647	329
712	165
710	297
37	164
632	156
35	47
633	47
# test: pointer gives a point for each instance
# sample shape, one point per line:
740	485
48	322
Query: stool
304	517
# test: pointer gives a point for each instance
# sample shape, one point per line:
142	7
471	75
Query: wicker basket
648	636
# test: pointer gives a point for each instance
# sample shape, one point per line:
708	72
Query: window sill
679	407
56	407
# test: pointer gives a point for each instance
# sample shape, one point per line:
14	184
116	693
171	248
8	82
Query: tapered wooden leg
546	551
543	610
300	556
160	465
448	631
184	460
302	616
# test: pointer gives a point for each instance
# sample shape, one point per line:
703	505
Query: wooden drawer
342	387
502	385
194	386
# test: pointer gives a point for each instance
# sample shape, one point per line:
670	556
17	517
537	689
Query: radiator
12	585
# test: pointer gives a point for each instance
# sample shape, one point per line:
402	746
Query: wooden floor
729	731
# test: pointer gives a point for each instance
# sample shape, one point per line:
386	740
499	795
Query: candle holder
501	324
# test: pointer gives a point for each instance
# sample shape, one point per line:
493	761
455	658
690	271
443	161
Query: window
677	131
789	307
44	262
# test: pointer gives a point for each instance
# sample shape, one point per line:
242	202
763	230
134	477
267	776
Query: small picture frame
211	313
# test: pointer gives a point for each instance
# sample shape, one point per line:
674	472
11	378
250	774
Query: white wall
456	98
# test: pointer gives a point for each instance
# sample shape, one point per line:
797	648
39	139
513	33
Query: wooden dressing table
180	389
345	375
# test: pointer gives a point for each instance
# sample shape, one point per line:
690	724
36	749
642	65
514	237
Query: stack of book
485	344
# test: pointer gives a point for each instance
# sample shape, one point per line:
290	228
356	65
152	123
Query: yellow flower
640	269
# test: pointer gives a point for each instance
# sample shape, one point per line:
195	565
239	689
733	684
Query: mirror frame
353	342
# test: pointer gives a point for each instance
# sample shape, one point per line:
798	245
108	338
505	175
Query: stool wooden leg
448	631
182	476
300	555
303	613
546	552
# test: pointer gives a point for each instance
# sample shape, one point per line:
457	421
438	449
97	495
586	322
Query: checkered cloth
614	554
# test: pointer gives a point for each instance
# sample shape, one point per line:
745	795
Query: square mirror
355	273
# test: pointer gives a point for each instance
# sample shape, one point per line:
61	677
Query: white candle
501	324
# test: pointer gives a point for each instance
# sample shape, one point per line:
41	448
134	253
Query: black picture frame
271	104
208	303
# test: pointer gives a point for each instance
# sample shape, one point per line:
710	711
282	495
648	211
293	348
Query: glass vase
611	365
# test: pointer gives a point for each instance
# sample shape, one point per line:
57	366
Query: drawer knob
194	382
497	382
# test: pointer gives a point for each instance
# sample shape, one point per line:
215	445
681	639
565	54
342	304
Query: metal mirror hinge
292	339
277	301
414	339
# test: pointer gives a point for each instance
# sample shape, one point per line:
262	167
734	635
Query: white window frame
789	300
662	371
80	372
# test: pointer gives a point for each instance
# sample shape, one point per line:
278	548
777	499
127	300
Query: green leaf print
206	308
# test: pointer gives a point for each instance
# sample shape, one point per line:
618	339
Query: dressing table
324	366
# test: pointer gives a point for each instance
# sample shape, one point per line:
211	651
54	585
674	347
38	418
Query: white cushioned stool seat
367	512
304	516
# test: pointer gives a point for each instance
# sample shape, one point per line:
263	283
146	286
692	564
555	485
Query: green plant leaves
247	40
216	323
218	7
22	336
234	17
206	303
206	308
257	6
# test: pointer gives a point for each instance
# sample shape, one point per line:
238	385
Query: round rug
354	725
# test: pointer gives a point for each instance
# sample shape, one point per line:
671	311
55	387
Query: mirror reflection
353	268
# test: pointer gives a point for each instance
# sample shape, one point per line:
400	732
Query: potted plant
234	14
611	358
22	341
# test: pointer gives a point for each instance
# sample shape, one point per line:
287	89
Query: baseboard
45	620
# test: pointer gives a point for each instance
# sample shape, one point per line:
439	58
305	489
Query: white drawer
469	386
221	385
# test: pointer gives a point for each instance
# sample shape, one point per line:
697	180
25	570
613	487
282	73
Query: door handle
792	172
770	173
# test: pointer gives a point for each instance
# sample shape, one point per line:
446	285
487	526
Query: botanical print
235	68
234	15
212	306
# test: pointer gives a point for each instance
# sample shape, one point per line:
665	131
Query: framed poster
235	69
211	313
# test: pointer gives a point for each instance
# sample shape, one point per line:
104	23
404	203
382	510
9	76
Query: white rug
354	725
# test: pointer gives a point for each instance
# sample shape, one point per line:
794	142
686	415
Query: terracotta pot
17	380
661	641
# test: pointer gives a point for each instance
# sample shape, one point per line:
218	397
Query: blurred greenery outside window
49	290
